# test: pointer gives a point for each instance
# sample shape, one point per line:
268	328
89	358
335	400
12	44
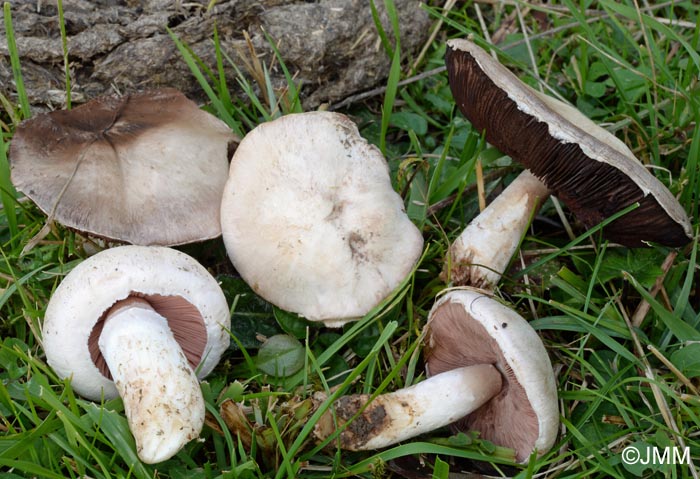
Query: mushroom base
371	423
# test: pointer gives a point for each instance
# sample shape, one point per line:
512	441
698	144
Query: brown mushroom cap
466	328
146	168
585	166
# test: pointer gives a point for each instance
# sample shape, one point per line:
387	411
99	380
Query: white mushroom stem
406	413
162	398
482	252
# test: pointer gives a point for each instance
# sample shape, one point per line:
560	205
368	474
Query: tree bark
331	46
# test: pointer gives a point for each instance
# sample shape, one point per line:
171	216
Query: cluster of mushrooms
310	220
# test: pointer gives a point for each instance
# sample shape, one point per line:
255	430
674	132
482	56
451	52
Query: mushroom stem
418	409
162	398
482	252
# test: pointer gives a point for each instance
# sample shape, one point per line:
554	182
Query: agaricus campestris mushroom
145	168
589	169
310	219
483	250
142	323
488	369
465	328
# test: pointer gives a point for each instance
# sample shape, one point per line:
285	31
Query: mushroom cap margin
596	176
115	167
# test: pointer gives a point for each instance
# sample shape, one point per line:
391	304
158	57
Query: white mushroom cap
311	221
488	371
465	328
92	288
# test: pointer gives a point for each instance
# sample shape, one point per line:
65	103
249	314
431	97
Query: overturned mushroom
466	327
145	168
143	323
483	250
310	219
488	369
590	170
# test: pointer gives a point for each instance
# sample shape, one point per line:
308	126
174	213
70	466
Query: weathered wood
331	45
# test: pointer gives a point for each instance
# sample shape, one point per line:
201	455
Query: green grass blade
588	323
683	300
419	448
31	468
579	239
64	45
394	70
8	194
390	97
116	430
380	29
15	62
441	469
308	427
219	106
291	96
224	93
689	196
682	330
631	13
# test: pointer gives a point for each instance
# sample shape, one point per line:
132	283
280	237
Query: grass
621	326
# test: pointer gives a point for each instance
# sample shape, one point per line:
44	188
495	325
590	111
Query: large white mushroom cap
311	221
96	284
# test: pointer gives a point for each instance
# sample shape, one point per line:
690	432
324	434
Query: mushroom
143	323
483	250
589	169
311	221
467	327
145	168
489	371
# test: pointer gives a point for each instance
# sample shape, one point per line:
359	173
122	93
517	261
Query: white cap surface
311	221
